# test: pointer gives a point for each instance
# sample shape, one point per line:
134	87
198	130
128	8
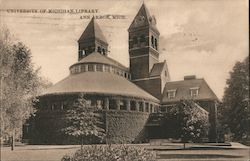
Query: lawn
55	153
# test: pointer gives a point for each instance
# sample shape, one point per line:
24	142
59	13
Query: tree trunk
184	145
13	140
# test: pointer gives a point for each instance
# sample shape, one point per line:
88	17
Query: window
156	45
171	94
103	51
77	69
123	105
147	107
152	41
194	91
90	67
83	68
99	68
133	106
112	104
151	108
99	104
106	68
141	106
163	109
99	50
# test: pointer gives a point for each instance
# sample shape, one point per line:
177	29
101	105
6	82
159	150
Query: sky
197	37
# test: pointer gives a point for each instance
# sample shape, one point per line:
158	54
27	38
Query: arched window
99	50
103	52
125	75
152	41
156	45
83	52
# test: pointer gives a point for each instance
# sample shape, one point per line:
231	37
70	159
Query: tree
20	83
191	120
83	121
235	111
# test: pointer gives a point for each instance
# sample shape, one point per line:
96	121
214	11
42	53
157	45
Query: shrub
111	153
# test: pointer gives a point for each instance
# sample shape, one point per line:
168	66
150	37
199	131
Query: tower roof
96	57
92	31
143	18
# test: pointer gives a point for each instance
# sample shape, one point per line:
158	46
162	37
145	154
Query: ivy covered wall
126	126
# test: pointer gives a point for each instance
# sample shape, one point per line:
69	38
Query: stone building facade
126	96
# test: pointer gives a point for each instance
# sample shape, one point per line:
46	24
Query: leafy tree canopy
84	121
20	83
235	111
191	120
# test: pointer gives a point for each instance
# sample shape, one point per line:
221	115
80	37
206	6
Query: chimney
189	77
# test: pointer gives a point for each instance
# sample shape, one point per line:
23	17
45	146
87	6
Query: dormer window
171	93
194	91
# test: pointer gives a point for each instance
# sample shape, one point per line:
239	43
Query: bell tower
92	40
143	44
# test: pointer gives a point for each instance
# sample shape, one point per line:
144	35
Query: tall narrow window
99	50
132	106
90	67
103	52
156	45
152	41
83	68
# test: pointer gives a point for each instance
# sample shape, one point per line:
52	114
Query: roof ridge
186	80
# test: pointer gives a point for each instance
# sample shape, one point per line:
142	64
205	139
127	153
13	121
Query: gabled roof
96	57
183	90
157	69
92	31
143	14
100	83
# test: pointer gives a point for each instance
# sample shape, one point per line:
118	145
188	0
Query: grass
55	153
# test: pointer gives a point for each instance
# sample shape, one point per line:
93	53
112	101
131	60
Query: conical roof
92	31
98	83
96	57
143	18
